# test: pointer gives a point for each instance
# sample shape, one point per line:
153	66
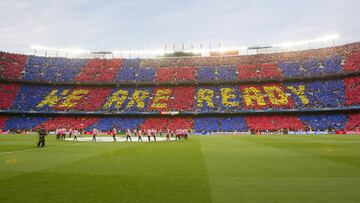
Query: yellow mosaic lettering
205	95
276	95
138	98
71	100
300	92
226	95
252	94
161	96
119	97
52	98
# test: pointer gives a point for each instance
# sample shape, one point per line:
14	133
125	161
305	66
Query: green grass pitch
278	168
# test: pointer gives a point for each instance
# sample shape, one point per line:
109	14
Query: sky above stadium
136	24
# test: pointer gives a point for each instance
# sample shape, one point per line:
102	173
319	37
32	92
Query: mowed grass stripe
36	149
240	170
22	143
14	163
338	148
113	172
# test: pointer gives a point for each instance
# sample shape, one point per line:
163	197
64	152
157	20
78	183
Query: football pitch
276	168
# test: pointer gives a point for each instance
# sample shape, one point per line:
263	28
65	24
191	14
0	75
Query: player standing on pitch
71	131
177	134
186	132
167	135
63	131
114	132
149	134
128	134
154	134
94	133
76	133
139	133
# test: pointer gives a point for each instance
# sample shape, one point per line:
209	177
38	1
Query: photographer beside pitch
42	133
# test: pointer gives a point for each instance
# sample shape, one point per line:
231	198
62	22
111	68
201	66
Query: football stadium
183	123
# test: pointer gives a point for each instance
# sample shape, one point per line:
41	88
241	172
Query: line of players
150	133
61	133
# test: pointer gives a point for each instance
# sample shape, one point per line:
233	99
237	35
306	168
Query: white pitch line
119	139
33	149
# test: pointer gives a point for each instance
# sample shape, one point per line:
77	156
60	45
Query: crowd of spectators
352	90
2	122
131	71
154	123
24	122
8	94
83	99
73	122
325	121
304	64
277	122
310	68
249	59
274	122
319	94
121	124
163	123
45	69
206	124
312	122
12	65
352	62
353	122
220	124
176	74
59	98
322	94
259	71
99	70
48	69
209	98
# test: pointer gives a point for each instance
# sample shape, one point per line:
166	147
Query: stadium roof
328	39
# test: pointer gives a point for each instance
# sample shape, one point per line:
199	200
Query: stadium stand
353	121
2	122
123	124
46	69
235	123
202	124
227	73
352	62
8	94
185	73
314	89
180	123
310	68
99	70
24	122
324	122
154	123
206	124
12	65
259	71
165	74
352	89
68	122
262	123
306	64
